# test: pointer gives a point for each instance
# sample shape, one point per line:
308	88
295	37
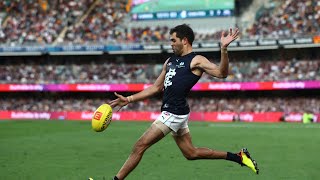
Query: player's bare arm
201	63
148	92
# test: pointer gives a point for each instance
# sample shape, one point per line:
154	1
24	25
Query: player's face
176	44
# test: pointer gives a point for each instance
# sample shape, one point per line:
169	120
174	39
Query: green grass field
70	150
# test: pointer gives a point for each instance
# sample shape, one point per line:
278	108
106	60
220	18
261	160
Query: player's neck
188	50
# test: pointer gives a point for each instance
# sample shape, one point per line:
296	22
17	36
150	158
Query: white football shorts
174	122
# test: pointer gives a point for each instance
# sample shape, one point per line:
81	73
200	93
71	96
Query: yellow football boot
248	161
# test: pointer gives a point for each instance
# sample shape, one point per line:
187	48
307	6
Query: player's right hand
120	101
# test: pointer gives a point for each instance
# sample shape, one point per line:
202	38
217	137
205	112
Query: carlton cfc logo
171	73
97	115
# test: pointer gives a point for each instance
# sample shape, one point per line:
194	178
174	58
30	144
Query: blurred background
61	59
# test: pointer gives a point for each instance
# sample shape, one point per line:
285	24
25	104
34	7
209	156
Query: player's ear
185	41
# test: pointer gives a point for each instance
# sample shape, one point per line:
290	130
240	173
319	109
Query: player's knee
140	147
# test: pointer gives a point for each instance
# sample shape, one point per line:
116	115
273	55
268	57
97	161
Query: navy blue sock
234	157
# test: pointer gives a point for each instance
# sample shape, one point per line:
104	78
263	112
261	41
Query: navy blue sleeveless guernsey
177	84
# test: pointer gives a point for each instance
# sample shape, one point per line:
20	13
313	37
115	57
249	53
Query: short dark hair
183	31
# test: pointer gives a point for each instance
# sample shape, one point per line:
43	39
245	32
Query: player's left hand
226	40
120	101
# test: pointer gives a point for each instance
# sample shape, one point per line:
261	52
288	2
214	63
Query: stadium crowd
39	21
114	73
208	104
100	24
101	21
287	18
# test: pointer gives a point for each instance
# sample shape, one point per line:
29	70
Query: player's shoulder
198	59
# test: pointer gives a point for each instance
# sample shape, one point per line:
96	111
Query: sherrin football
102	118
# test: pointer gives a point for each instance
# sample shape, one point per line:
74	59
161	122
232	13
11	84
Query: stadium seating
83	22
281	19
39	23
241	71
99	24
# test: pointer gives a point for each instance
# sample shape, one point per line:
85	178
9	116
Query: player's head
181	36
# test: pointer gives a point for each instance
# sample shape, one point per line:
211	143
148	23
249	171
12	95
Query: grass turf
70	150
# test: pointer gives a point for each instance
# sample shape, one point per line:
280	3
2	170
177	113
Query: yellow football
101	118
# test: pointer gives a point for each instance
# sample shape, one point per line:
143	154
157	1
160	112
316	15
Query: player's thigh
184	143
151	136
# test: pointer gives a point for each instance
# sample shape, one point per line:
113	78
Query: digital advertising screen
168	9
